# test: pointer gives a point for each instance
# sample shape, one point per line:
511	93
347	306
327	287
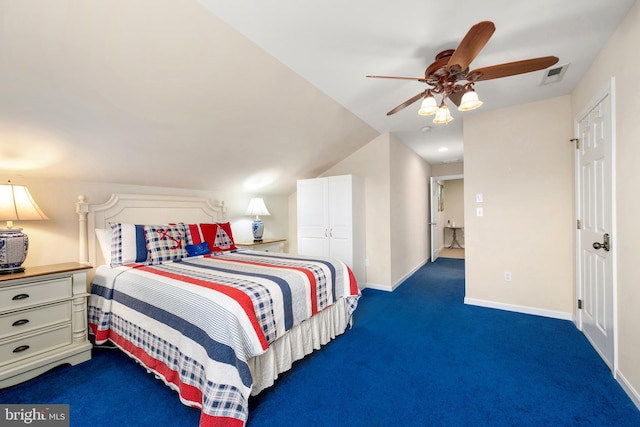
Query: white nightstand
43	320
267	245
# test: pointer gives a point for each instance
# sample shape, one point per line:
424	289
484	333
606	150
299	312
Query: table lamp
257	208
16	204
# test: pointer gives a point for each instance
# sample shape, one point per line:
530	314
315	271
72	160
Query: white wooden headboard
139	209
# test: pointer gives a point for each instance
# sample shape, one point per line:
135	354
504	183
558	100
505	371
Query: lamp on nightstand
257	208
16	204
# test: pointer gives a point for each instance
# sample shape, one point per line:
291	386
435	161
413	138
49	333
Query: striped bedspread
195	322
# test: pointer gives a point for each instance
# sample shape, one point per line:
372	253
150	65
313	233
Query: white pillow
104	240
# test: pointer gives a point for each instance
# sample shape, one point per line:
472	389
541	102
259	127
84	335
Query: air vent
554	75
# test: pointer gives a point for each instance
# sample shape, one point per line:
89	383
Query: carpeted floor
415	357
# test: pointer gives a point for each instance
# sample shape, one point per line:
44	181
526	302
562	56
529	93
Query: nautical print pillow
167	242
217	235
224	238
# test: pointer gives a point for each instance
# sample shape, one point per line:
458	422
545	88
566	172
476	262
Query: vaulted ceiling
250	96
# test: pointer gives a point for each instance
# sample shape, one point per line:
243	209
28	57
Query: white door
313	219
341	218
433	220
595	234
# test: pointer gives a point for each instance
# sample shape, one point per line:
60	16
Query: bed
214	323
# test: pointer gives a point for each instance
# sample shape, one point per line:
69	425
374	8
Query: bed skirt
299	341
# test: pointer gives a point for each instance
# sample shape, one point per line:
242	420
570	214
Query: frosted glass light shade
428	106
469	101
442	116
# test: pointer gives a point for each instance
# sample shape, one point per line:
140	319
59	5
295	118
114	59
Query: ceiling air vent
554	75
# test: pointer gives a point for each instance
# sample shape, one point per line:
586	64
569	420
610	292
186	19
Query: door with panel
595	228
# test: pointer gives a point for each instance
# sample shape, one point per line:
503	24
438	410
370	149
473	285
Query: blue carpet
415	357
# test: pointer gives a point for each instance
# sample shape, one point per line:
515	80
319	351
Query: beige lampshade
16	204
257	207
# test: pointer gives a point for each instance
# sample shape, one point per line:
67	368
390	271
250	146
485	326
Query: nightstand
43	320
267	245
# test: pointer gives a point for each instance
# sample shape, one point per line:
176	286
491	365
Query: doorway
447	216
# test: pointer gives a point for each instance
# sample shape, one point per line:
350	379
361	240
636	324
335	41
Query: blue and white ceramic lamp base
257	226
13	250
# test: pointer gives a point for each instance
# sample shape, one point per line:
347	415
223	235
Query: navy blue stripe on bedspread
215	350
329	265
282	284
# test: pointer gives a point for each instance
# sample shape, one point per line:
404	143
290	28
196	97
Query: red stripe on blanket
195	234
312	278
353	283
240	297
187	392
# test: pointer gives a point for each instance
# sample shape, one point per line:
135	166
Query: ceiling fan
449	75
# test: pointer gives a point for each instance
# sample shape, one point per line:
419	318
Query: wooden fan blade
420	79
456	98
470	46
511	68
407	103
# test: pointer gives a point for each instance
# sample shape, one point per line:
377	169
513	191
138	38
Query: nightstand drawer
28	320
20	296
35	343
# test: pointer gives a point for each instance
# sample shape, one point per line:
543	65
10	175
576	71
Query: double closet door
331	220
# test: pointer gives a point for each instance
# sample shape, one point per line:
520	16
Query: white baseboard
520	309
379	287
628	388
390	288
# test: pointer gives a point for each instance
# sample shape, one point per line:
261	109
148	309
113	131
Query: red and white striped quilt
195	322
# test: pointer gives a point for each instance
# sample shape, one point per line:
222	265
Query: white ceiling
167	93
334	44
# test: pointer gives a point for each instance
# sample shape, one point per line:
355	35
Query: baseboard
626	386
520	309
406	276
379	287
390	288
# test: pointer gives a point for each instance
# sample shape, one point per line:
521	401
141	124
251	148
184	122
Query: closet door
313	217
340	209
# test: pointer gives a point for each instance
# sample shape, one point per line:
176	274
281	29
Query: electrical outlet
507	276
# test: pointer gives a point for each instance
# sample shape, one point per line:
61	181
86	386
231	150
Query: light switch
479	212
478	197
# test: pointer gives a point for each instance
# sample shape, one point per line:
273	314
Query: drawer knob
20	296
20	322
21	348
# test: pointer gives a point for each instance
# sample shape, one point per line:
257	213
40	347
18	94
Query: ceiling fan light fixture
442	116
470	101
429	105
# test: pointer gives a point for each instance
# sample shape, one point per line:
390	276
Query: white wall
444	169
409	211
397	202
521	160
619	60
